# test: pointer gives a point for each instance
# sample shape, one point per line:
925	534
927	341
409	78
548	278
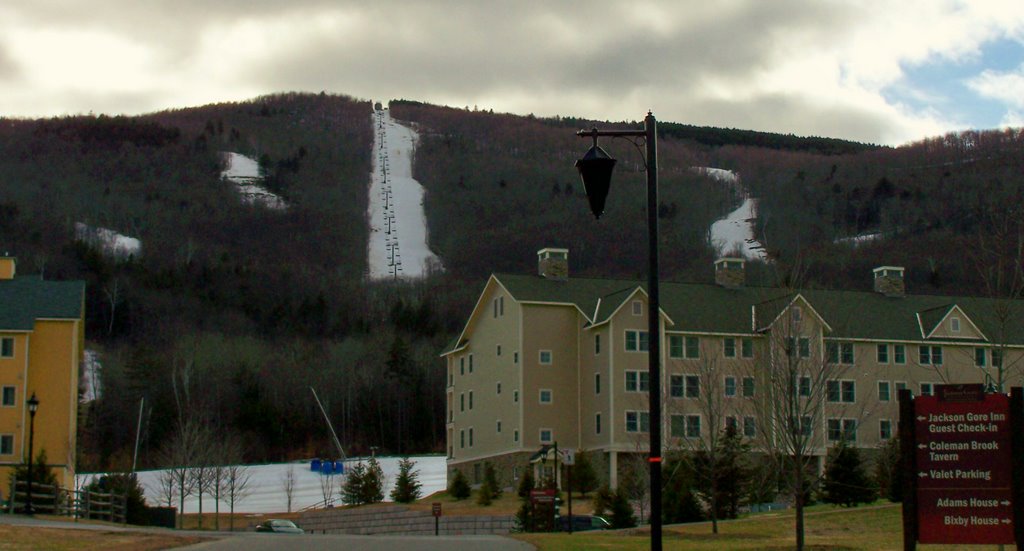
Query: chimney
730	272
7	267
889	281
553	263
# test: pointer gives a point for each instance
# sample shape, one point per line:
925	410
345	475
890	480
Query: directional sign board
963	467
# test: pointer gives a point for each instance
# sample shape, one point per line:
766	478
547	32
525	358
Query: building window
692	386
637	381
841	391
805	347
930	355
8	397
693	426
638	421
749	427
801	426
638	308
545	396
730	386
840	352
515	435
798	314
883	391
515	357
515	396
7	347
499	350
637	341
597	344
462	402
470	363
954	325
692	348
842	429
927	389
884	429
499	426
804	386
462	366
731	424
899	354
501	306
900	385
471	437
675	346
748	387
545	357
597	383
748	348
546	436
462	439
997	357
495	307
597	423
6	444
470	399
729	349
882	355
499	387
685	426
979	357
676	386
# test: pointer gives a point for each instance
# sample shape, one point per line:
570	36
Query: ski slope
735	232
244	172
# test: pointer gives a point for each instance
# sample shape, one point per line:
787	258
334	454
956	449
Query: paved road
285	542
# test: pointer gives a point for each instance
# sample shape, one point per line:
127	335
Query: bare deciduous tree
288	485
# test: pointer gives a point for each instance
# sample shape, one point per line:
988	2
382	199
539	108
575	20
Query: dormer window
638	308
798	314
954	325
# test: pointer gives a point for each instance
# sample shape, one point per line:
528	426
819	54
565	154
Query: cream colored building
549	358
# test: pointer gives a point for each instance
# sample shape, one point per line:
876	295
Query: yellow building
42	334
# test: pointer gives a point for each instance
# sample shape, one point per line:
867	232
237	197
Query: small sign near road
436	508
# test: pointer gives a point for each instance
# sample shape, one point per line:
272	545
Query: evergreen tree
491	480
524	516
724	482
352	491
41	474
485	494
118	484
622	511
603	500
459	486
888	471
373	483
525	483
407	485
584	479
846	483
679	500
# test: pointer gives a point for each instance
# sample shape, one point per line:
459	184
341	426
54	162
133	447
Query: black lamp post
33	405
596	171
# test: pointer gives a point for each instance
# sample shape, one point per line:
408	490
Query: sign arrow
922	446
1004	502
921	417
922	475
1004	520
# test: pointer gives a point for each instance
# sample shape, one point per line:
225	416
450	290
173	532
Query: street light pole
595	169
33	405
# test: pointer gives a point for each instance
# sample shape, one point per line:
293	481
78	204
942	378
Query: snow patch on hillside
108	241
861	239
90	387
720	174
244	172
267	488
735	232
398	245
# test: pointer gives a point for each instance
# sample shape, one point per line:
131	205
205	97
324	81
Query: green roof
25	299
708	308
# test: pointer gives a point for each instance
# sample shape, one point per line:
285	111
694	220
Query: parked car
279	526
582	523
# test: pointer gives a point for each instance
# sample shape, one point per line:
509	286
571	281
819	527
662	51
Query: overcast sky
884	71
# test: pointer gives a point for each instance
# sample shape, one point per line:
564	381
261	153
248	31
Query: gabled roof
25	299
930	319
709	308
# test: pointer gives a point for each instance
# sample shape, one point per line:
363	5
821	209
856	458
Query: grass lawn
867	528
31	538
507	504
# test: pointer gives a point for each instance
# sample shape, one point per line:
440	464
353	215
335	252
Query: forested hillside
232	311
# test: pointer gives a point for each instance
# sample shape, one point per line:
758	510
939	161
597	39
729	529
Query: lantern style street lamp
33	405
596	171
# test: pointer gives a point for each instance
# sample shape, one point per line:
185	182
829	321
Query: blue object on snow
314	465
339	467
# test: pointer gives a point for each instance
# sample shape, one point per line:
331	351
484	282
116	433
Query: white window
899	354
597	423
545	357
841	391
730	387
499	426
927	389
748	387
638	421
729	345
462	439
798	315
692	349
638	308
883	391
637	341
7	348
462	366
471	437
685	426
747	348
979	357
804	386
545	396
515	435
930	355
8	396
884	429
842	429
749	427
470	363
6	444
637	381
597	344
470	399
597	383
954	325
546	436
462	402
693	426
882	354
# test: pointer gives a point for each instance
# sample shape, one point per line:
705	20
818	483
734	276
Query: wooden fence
54	500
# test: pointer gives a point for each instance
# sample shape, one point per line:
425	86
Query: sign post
958	453
436	509
569	458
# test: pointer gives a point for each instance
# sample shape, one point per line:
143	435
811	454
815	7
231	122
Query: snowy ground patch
398	227
91	388
108	241
735	232
244	172
266	485
861	239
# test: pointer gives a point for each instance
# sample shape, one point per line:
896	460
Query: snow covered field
109	241
398	228
244	172
266	486
735	232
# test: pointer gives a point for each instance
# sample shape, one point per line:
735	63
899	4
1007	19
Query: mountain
234	310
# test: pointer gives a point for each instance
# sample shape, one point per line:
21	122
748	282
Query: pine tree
491	481
459	486
679	500
603	500
846	483
622	511
584	479
373	483
352	491
525	483
485	494
407	485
